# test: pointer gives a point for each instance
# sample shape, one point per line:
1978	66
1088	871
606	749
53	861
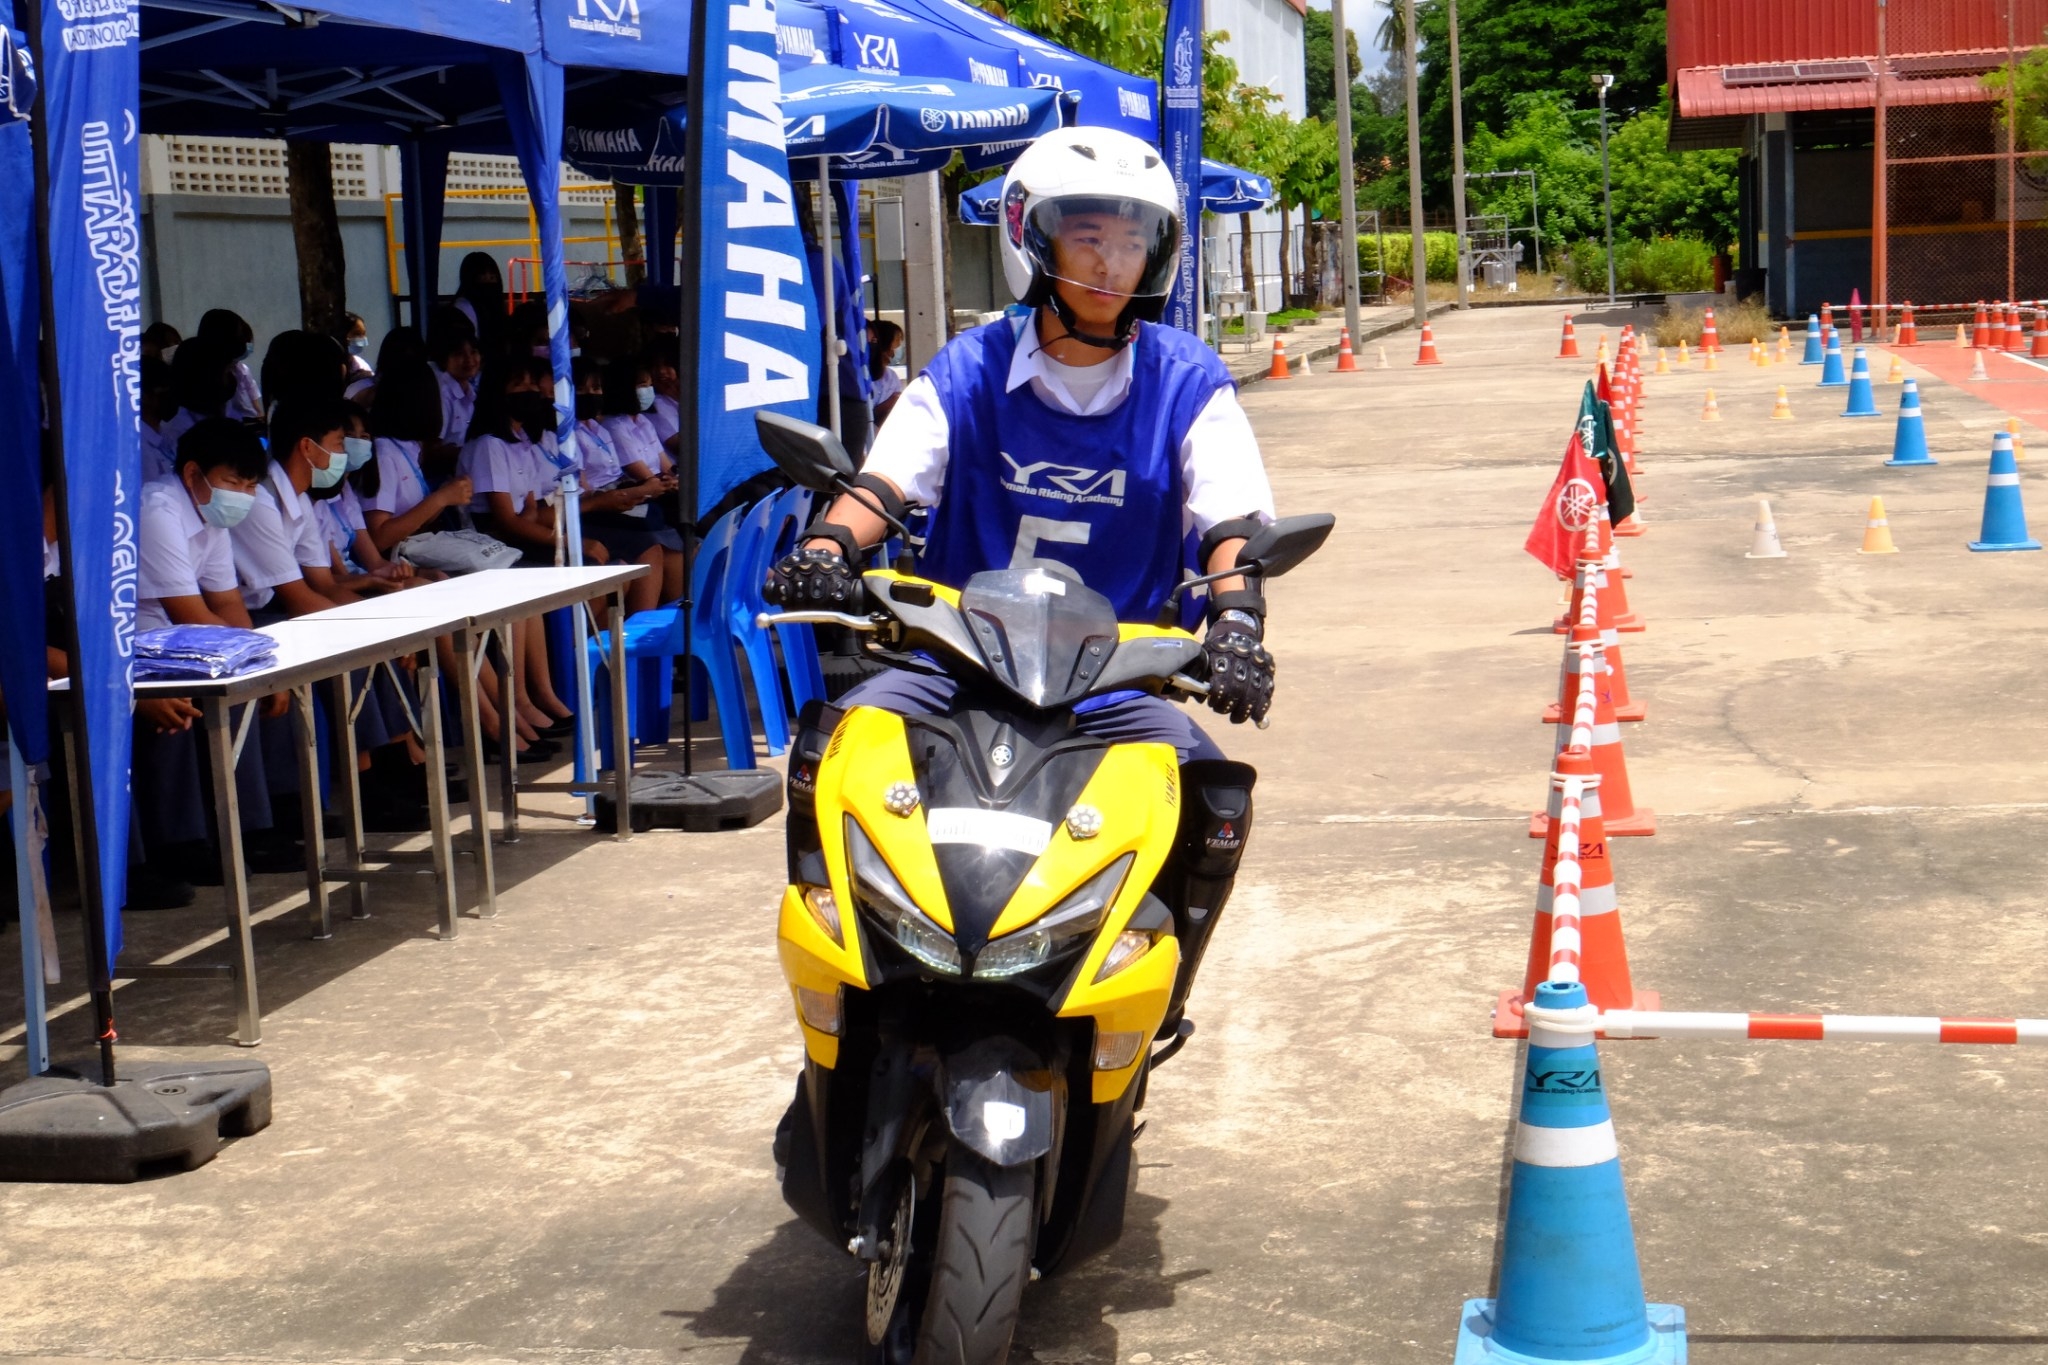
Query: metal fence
1310	275
1962	208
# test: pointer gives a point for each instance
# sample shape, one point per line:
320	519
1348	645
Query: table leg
437	789
234	876
346	768
473	763
622	743
312	830
508	731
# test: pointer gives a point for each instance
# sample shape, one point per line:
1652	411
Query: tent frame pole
829	258
689	355
35	1004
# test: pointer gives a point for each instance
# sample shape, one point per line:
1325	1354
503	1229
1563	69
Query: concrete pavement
548	1140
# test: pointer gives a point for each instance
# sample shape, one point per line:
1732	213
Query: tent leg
829	255
35	1007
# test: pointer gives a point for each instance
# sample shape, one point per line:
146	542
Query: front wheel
981	1262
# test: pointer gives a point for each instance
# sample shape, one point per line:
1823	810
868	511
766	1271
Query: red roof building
1875	153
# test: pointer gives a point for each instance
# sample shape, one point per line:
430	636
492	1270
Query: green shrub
1440	251
1666	265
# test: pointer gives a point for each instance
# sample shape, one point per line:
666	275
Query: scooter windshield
1042	633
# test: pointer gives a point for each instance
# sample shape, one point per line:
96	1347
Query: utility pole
1347	188
1602	83
1458	163
1418	251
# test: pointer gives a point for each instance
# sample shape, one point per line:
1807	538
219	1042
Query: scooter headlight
885	900
1066	926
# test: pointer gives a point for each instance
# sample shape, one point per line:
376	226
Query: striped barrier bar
1824	1028
1567	877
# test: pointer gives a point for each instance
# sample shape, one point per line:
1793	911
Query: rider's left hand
1240	670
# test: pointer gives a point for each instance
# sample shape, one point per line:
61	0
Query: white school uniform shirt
180	554
341	521
277	541
458	405
600	456
668	418
248	399
401	485
1221	472
637	440
519	469
886	386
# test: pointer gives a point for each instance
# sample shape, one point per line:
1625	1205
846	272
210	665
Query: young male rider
1089	436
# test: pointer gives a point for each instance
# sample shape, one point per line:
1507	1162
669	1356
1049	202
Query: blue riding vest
1102	494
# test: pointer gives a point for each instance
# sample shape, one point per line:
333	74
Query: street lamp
1603	83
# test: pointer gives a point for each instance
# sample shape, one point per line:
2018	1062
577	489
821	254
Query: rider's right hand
814	580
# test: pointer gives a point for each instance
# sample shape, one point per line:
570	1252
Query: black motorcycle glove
814	580
1240	668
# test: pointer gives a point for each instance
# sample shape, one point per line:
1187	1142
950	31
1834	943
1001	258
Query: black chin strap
1064	311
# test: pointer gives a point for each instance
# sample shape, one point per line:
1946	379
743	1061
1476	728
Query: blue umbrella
1225	189
876	38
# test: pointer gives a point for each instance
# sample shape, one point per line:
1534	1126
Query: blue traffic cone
2005	516
1812	356
1831	376
1909	444
1570	1289
1862	402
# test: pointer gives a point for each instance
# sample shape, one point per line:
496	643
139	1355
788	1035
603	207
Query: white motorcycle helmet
1066	179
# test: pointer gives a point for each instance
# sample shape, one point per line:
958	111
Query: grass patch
1235	326
1736	325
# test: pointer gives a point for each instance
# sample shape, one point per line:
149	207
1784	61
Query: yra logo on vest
1065	483
618	21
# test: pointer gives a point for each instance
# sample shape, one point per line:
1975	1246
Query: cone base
1630	624
1641	824
1429	362
1476	1345
1908	464
1887	550
1630	527
1982	546
1780	554
1832	384
1553	714
1508	1021
1872	413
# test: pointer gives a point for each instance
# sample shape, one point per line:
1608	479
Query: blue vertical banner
757	319
91	76
23	668
1180	137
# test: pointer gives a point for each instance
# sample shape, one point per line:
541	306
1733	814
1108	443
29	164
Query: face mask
248	349
645	394
226	508
168	352
358	345
589	407
535	413
359	451
337	465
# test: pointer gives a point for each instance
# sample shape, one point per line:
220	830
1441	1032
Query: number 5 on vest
1031	530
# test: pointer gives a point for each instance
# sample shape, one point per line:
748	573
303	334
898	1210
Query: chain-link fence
1962	211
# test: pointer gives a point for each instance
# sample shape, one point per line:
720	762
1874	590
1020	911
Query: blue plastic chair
753	541
654	640
799	643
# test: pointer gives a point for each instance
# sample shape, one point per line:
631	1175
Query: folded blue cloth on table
201	652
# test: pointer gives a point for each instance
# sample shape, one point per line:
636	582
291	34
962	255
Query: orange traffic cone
1783	411
1784	346
1827	317
1980	330
1427	355
2019	452
1712	411
1568	347
1347	363
1710	339
1684	356
1602	951
1977	370
1756	352
1383	365
1601	355
1615	614
1618	810
1962	336
2015	331
1909	334
1663	364
1626	708
2040	350
1280	368
1877	532
1897	373
1713	357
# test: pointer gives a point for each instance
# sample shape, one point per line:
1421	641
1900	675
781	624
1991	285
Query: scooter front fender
998	1101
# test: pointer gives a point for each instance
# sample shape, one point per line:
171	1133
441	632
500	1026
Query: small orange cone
1897	373
2019	452
1601	355
1427	355
1568	347
1909	334
1827	317
1713	358
2040	350
1684	356
1383	365
1756	352
1783	411
1710	339
1663	364
1347	363
1712	411
1877	532
1280	368
1977	370
1980	330
1962	336
1784	346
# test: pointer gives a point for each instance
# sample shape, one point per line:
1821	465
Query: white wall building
1265	40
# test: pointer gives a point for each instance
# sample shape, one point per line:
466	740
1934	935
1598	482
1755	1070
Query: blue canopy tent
1109	98
1225	189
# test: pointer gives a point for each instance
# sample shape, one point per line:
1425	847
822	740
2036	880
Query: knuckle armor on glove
814	580
1240	672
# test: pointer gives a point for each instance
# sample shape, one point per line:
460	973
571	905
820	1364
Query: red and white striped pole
1567	877
1824	1028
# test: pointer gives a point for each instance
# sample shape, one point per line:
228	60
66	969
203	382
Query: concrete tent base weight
157	1118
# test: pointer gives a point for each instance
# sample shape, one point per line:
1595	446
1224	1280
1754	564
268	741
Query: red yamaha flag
1571	505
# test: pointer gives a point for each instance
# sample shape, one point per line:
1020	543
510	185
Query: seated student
397	499
158	407
160	341
666	414
302	365
615	506
202	385
358	565
884	340
401	346
281	556
452	348
629	394
185	575
510	459
355	339
233	337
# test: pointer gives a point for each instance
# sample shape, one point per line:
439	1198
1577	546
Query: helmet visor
1115	246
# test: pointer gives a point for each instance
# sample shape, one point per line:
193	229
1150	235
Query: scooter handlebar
815	618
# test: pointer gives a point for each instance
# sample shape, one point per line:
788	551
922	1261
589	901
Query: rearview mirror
809	454
1275	548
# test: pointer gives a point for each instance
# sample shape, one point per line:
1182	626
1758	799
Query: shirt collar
180	498
1027	364
291	503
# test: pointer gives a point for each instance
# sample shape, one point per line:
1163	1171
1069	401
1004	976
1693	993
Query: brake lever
1183	683
816	618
